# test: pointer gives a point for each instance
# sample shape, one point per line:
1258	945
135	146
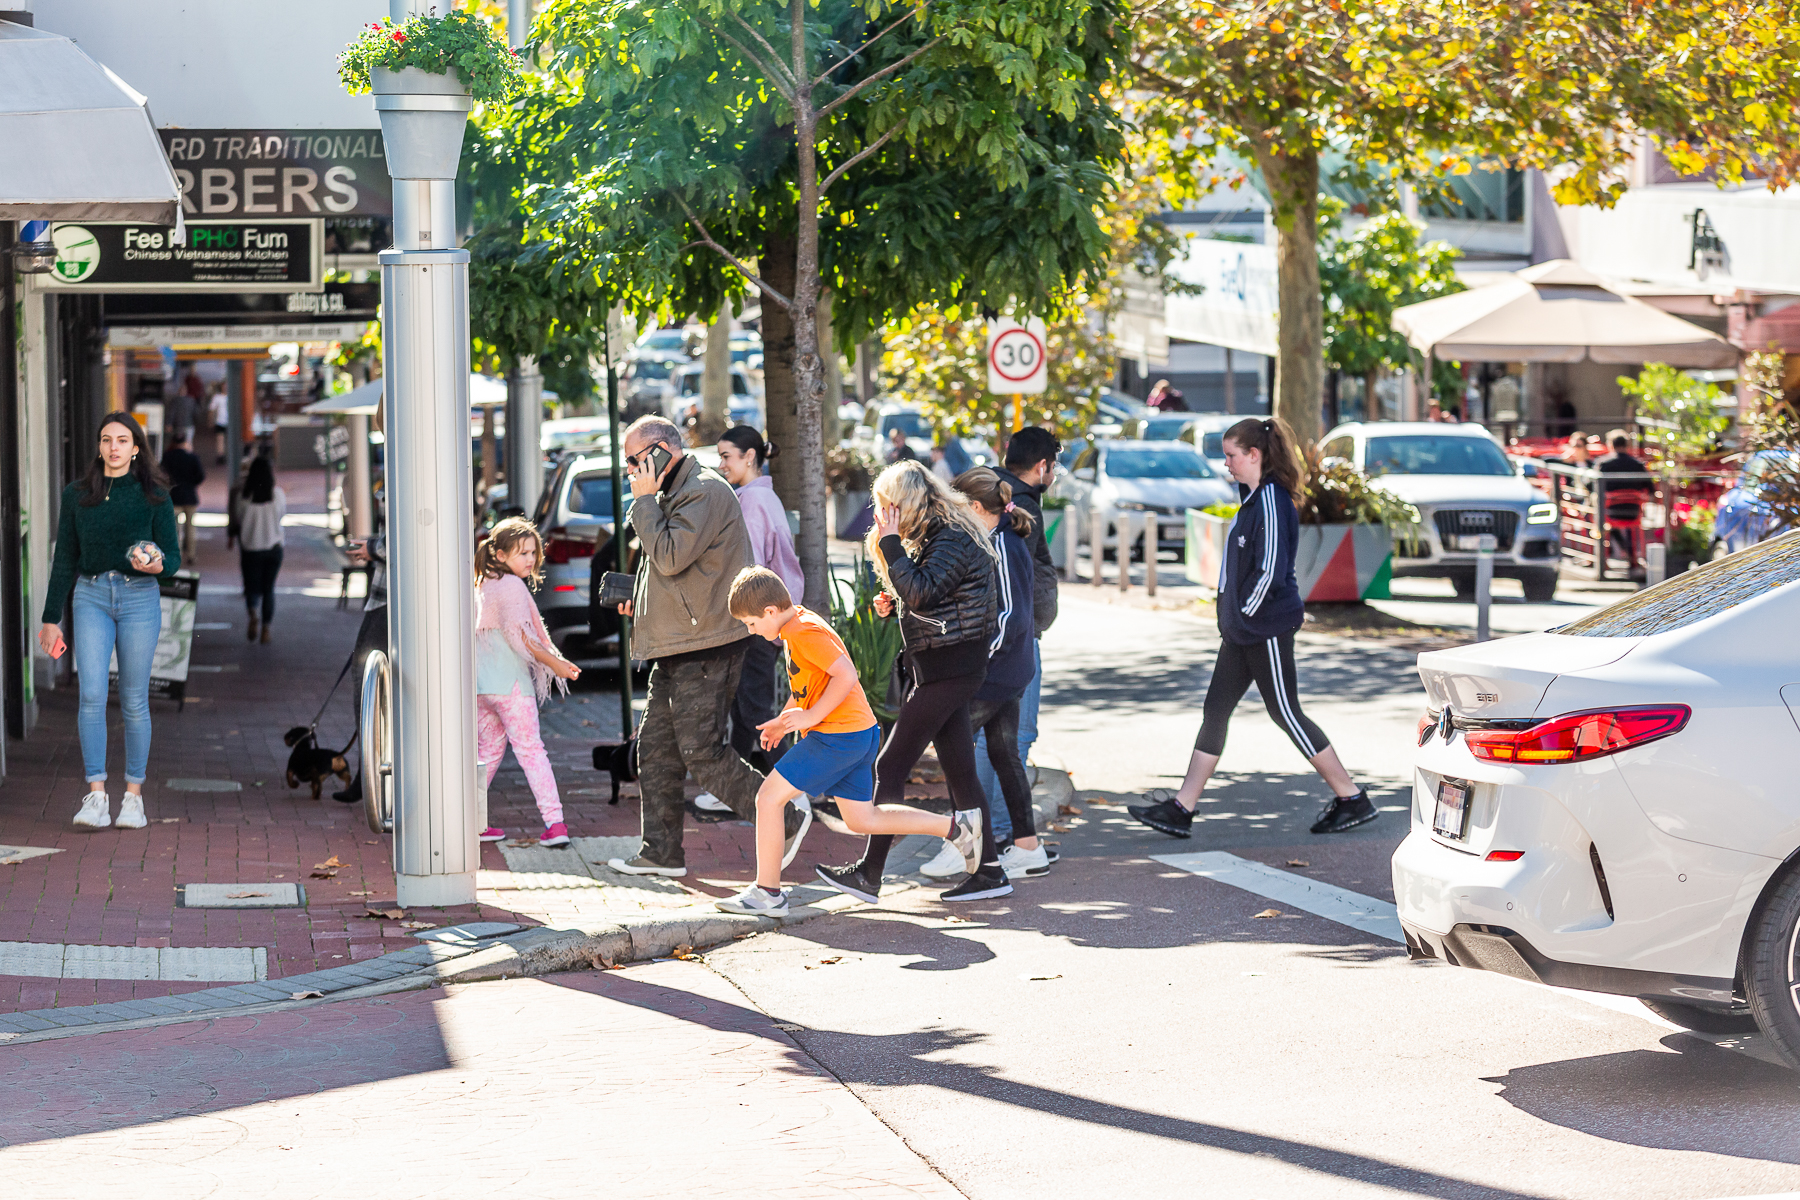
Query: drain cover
468	935
205	785
241	895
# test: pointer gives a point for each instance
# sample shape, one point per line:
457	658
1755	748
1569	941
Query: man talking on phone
691	530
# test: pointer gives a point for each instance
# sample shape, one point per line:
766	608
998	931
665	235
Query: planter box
847	512
423	116
1332	562
1053	519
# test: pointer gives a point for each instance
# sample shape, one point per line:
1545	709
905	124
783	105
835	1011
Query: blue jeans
1028	718
119	611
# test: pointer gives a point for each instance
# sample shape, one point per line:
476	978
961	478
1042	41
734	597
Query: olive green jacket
693	544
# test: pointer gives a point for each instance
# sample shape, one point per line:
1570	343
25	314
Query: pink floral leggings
514	718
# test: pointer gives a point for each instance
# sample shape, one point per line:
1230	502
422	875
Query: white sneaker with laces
708	802
131	812
947	864
1025	864
96	811
754	902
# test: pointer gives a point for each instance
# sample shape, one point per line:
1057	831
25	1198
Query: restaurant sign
216	256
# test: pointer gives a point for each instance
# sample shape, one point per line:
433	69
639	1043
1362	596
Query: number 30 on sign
1015	355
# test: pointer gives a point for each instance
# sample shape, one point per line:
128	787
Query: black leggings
934	713
1270	666
260	567
1000	718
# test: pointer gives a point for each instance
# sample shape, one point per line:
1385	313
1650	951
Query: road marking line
1321	899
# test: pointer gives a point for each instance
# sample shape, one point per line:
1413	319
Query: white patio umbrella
484	392
1557	312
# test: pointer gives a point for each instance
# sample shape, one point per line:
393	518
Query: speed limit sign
1016	359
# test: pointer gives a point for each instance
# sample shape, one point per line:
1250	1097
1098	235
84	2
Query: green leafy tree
1681	416
1364	277
896	153
1417	89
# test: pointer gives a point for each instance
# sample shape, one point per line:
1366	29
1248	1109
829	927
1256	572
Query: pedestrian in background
898	451
937	568
515	664
178	417
1260	609
743	457
185	474
220	408
259	509
115	535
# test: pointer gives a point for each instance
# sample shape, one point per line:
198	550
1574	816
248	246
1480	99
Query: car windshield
565	439
1157	464
913	424
1163	429
591	495
1698	594
663	339
650	368
1213	445
1435	454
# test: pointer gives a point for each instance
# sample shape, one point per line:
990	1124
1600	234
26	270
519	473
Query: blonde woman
939	570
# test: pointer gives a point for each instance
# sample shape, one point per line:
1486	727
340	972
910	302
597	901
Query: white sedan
1614	806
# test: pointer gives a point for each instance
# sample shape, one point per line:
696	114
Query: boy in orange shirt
839	740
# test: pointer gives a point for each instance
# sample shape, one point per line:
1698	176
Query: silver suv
576	517
1463	485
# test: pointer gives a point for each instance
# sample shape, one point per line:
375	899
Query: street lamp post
524	383
425	357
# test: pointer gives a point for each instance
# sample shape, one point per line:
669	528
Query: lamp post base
434	891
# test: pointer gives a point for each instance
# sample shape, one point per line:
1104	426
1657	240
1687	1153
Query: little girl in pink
515	661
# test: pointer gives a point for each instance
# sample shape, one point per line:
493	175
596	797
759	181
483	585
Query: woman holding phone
115	536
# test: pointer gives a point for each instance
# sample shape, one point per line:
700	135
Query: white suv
1614	806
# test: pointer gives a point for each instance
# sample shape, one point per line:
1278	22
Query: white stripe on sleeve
1271	543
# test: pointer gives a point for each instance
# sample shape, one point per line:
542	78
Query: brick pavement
657	1080
117	887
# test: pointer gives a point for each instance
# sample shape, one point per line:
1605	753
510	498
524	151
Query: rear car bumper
1506	952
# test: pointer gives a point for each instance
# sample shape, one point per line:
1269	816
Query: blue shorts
841	765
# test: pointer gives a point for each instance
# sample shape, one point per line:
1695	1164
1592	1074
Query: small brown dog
309	764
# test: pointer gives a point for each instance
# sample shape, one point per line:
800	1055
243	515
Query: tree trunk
1293	182
776	266
715	381
809	367
829	434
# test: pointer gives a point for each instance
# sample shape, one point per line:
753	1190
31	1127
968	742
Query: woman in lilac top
742	456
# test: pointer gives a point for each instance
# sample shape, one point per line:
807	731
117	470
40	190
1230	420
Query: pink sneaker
491	834
556	835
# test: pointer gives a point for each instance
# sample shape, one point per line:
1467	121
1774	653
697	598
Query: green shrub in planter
457	41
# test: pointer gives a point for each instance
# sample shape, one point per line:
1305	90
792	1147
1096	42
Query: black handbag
615	589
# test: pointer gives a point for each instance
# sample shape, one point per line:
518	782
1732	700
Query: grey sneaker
966	837
96	811
754	902
643	866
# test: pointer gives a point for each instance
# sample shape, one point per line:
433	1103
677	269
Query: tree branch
826	73
872	147
771	69
706	239
793	79
877	77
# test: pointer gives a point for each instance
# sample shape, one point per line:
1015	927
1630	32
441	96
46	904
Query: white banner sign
1238	307
1016	357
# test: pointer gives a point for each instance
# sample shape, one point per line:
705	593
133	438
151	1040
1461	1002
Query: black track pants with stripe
1270	666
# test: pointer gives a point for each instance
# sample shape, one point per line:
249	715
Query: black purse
615	589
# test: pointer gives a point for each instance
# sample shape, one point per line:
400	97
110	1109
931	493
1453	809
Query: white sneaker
965	835
96	811
792	847
754	902
711	803
1025	864
947	864
131	812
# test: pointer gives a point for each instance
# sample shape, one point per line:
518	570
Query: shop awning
1561	313
76	143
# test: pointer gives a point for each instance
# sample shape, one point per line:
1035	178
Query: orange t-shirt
812	646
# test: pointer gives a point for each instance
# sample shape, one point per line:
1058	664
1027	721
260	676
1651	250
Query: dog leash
314	727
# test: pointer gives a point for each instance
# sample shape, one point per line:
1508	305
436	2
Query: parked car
1115	476
1464	486
1743	518
645	384
575	514
1610	805
1111	411
878	422
574	435
1204	431
664	343
744	403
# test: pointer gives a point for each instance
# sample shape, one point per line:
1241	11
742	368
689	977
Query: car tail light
1427	723
1505	855
560	548
1578	737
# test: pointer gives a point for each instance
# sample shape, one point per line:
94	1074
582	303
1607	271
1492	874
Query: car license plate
1468	541
1452	817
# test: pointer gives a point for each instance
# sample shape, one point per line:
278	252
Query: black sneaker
851	881
989	880
1165	815
1345	812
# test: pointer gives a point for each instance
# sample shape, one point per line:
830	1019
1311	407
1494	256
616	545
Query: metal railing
378	742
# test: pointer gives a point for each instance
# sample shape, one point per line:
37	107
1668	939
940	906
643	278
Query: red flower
399	37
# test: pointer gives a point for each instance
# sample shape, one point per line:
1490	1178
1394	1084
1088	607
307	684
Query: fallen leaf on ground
330	864
371	843
588	723
1041	978
362	893
417	925
1059	829
307	996
168	820
392	914
1268	912
1298	862
243	895
324	874
958	920
521	841
786	1028
1067	810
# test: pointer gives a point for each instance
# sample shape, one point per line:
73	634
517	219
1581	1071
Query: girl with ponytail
1260	609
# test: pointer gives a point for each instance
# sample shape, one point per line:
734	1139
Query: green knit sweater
93	539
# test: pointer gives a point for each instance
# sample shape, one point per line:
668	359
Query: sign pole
618	539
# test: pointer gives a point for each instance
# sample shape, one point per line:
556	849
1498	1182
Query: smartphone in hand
658	458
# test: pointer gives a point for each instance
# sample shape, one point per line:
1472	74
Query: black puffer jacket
947	595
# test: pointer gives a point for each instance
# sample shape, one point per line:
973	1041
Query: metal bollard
1484	583
1151	538
1656	563
1122	551
1097	547
1071	535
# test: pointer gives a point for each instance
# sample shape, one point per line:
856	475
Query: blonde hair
502	540
926	504
756	590
984	487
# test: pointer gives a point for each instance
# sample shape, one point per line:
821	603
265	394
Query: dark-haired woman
115	536
1260	609
743	457
260	507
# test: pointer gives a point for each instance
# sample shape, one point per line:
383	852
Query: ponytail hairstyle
1280	450
982	486
926	506
747	439
502	540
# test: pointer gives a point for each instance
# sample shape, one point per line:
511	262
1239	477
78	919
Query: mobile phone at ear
658	457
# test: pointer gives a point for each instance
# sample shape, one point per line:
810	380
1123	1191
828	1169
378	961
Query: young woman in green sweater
115	536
